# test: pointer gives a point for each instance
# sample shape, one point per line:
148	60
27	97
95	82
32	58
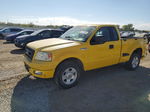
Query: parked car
128	34
149	47
82	48
65	28
147	36
14	36
21	41
8	31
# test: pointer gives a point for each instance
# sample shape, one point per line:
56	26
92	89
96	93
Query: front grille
29	53
16	41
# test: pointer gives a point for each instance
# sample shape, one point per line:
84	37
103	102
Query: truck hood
53	42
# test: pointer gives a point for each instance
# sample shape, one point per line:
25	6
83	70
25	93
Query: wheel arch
76	60
138	51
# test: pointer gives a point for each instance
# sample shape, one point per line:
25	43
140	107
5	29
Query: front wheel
67	74
1	36
134	62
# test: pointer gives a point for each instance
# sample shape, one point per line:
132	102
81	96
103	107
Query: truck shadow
17	51
8	42
111	89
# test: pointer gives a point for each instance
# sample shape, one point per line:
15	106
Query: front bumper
9	39
37	70
19	44
2	36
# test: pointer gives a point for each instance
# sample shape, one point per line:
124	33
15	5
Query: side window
105	32
101	36
30	32
14	30
45	34
57	33
25	33
6	30
114	34
108	34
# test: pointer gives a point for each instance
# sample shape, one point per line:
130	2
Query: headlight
43	56
21	39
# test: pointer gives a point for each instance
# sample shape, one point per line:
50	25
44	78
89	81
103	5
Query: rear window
113	33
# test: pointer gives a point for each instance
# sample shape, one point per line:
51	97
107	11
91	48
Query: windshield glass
78	33
26	32
20	32
36	32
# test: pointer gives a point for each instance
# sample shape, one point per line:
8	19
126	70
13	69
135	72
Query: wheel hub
69	75
135	62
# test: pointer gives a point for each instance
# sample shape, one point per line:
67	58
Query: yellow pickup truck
82	48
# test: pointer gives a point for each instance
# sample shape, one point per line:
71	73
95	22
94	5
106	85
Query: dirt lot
10	60
111	89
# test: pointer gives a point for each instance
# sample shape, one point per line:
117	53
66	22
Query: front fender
68	55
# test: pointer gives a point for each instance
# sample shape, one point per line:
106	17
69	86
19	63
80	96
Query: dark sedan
149	47
12	37
8	31
22	41
147	36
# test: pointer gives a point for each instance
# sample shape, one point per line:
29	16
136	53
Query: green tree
30	25
118	26
128	27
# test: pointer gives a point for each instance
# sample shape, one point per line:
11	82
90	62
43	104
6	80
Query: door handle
111	46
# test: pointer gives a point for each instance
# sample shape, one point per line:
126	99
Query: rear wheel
67	74
149	47
134	62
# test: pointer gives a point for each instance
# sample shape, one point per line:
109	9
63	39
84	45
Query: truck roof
98	25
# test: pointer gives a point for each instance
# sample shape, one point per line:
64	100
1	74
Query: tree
128	27
30	25
118	26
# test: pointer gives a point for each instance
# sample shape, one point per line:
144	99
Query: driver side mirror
39	34
99	39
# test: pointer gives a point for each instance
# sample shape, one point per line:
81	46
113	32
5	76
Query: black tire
131	65
149	47
61	72
1	36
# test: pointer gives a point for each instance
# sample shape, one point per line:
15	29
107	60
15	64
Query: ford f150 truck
82	48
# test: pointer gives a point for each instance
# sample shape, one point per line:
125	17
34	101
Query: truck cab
82	48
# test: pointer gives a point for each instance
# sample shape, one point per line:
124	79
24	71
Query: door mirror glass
39	34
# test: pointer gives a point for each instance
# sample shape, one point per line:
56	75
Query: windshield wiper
67	37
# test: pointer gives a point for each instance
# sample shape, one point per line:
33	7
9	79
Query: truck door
105	48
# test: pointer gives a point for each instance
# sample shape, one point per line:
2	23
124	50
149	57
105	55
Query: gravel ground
111	89
11	57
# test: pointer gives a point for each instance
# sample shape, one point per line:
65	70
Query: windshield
78	33
20	32
26	32
36	32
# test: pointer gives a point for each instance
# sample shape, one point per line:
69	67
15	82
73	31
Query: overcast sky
74	12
